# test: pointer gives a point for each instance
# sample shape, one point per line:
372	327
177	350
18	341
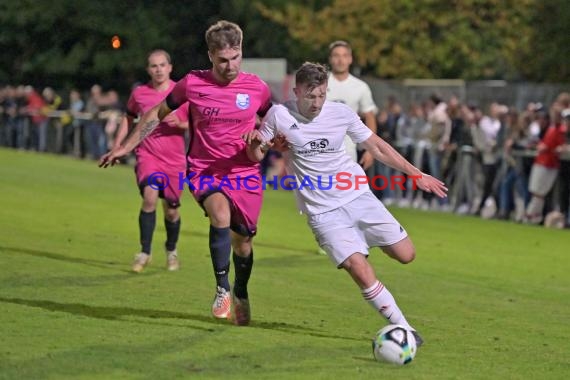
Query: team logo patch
242	101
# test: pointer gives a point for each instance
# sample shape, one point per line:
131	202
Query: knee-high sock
242	266
172	232
220	249
382	300
147	221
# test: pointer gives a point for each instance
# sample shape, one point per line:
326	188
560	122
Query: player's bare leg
403	251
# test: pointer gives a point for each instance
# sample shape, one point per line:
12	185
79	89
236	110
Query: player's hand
172	120
252	138
111	158
279	143
367	160
430	184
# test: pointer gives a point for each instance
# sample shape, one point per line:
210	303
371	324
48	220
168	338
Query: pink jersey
219	116
166	143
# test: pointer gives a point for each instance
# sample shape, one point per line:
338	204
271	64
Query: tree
68	43
469	39
546	59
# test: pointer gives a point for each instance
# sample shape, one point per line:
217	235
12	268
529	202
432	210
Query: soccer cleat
419	340
172	263
242	311
221	308
141	261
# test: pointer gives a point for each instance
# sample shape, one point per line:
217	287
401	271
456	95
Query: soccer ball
394	344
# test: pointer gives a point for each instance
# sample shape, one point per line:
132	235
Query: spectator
38	127
486	143
545	168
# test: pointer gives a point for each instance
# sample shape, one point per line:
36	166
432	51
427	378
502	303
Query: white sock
382	300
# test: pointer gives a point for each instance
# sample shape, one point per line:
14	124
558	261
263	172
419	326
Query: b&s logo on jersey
315	147
242	101
317	144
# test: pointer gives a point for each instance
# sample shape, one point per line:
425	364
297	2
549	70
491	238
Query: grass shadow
114	313
64	258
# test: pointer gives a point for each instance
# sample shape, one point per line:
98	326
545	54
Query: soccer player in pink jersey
224	105
161	152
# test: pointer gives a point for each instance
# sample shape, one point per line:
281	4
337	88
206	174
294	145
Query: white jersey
356	94
353	92
324	173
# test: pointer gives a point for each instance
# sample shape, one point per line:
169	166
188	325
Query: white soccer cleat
141	261
172	263
221	308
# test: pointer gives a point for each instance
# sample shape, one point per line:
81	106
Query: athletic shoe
419	340
141	261
172	263
221	308
242	311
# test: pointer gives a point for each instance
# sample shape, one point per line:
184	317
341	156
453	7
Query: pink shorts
161	177
245	195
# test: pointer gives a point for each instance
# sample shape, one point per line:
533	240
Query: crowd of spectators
498	162
43	120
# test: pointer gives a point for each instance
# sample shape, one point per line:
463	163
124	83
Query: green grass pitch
491	299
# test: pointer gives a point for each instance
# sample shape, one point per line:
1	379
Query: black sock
172	232
147	221
220	248
242	266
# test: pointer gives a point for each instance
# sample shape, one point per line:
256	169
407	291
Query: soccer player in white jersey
346	222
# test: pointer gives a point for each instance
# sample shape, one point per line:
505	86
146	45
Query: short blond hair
340	43
222	35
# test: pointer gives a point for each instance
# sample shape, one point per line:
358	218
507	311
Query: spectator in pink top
224	104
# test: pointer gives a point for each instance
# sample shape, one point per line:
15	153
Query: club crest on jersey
242	101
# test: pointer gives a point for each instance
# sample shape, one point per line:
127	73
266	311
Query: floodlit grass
491	299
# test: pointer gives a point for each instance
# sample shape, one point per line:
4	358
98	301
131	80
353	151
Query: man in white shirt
346	220
343	87
489	127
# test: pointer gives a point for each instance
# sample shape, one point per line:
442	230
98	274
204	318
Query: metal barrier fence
481	93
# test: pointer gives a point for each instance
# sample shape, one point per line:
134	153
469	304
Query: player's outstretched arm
383	152
126	123
144	127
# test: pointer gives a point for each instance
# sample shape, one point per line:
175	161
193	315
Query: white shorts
355	227
541	179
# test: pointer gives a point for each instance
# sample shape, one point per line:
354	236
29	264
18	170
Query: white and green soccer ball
394	344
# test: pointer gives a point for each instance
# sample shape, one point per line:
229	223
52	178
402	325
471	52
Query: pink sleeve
132	109
265	100
182	112
178	94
